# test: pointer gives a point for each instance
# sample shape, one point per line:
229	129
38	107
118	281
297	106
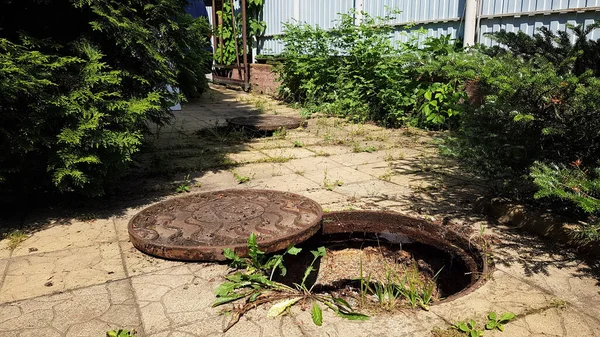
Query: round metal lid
198	227
266	122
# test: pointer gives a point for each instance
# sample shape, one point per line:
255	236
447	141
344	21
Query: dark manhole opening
390	248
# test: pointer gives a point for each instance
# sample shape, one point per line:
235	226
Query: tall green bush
531	113
80	80
358	72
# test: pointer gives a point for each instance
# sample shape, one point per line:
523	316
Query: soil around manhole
385	248
265	122
199	227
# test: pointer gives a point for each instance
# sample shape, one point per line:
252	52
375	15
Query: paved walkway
78	275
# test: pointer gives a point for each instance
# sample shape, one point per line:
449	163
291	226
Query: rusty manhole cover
198	227
266	122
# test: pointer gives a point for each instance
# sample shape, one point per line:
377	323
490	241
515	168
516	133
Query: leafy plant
232	47
469	327
184	186
498	323
75	101
576	185
298	143
240	178
355	71
256	287
120	333
571	52
15	238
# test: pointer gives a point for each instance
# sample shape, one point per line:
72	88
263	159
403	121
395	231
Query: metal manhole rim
474	251
216	251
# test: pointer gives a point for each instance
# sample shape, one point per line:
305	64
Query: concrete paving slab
356	159
293	153
72	235
216	180
501	293
86	312
289	183
47	273
246	157
324	197
382	190
138	263
5	252
342	175
262	171
176	297
326	151
312	164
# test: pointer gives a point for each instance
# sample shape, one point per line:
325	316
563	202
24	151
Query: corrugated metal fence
437	17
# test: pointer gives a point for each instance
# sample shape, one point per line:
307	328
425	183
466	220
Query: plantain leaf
227	299
279	307
317	314
507	317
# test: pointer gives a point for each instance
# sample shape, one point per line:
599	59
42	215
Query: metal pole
245	44
470	22
237	51
214	22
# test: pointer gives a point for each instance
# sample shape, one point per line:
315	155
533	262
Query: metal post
215	25
470	22
245	44
237	51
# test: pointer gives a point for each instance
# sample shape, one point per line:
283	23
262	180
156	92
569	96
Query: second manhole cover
198	227
266	122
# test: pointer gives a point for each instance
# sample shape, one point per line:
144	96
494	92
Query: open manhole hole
389	250
265	122
198	227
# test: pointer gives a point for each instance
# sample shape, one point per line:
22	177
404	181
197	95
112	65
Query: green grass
15	238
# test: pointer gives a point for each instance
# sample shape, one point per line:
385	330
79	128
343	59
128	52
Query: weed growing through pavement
275	159
240	178
280	133
254	286
120	333
15	238
328	184
184	186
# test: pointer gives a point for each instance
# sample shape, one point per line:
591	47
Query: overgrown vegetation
472	328
76	98
254	286
534	101
232	48
356	71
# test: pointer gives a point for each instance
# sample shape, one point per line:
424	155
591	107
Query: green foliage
232	46
355	71
469	327
255	286
575	185
494	322
75	100
531	113
120	333
569	57
184	187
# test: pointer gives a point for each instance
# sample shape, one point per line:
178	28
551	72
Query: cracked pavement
80	276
